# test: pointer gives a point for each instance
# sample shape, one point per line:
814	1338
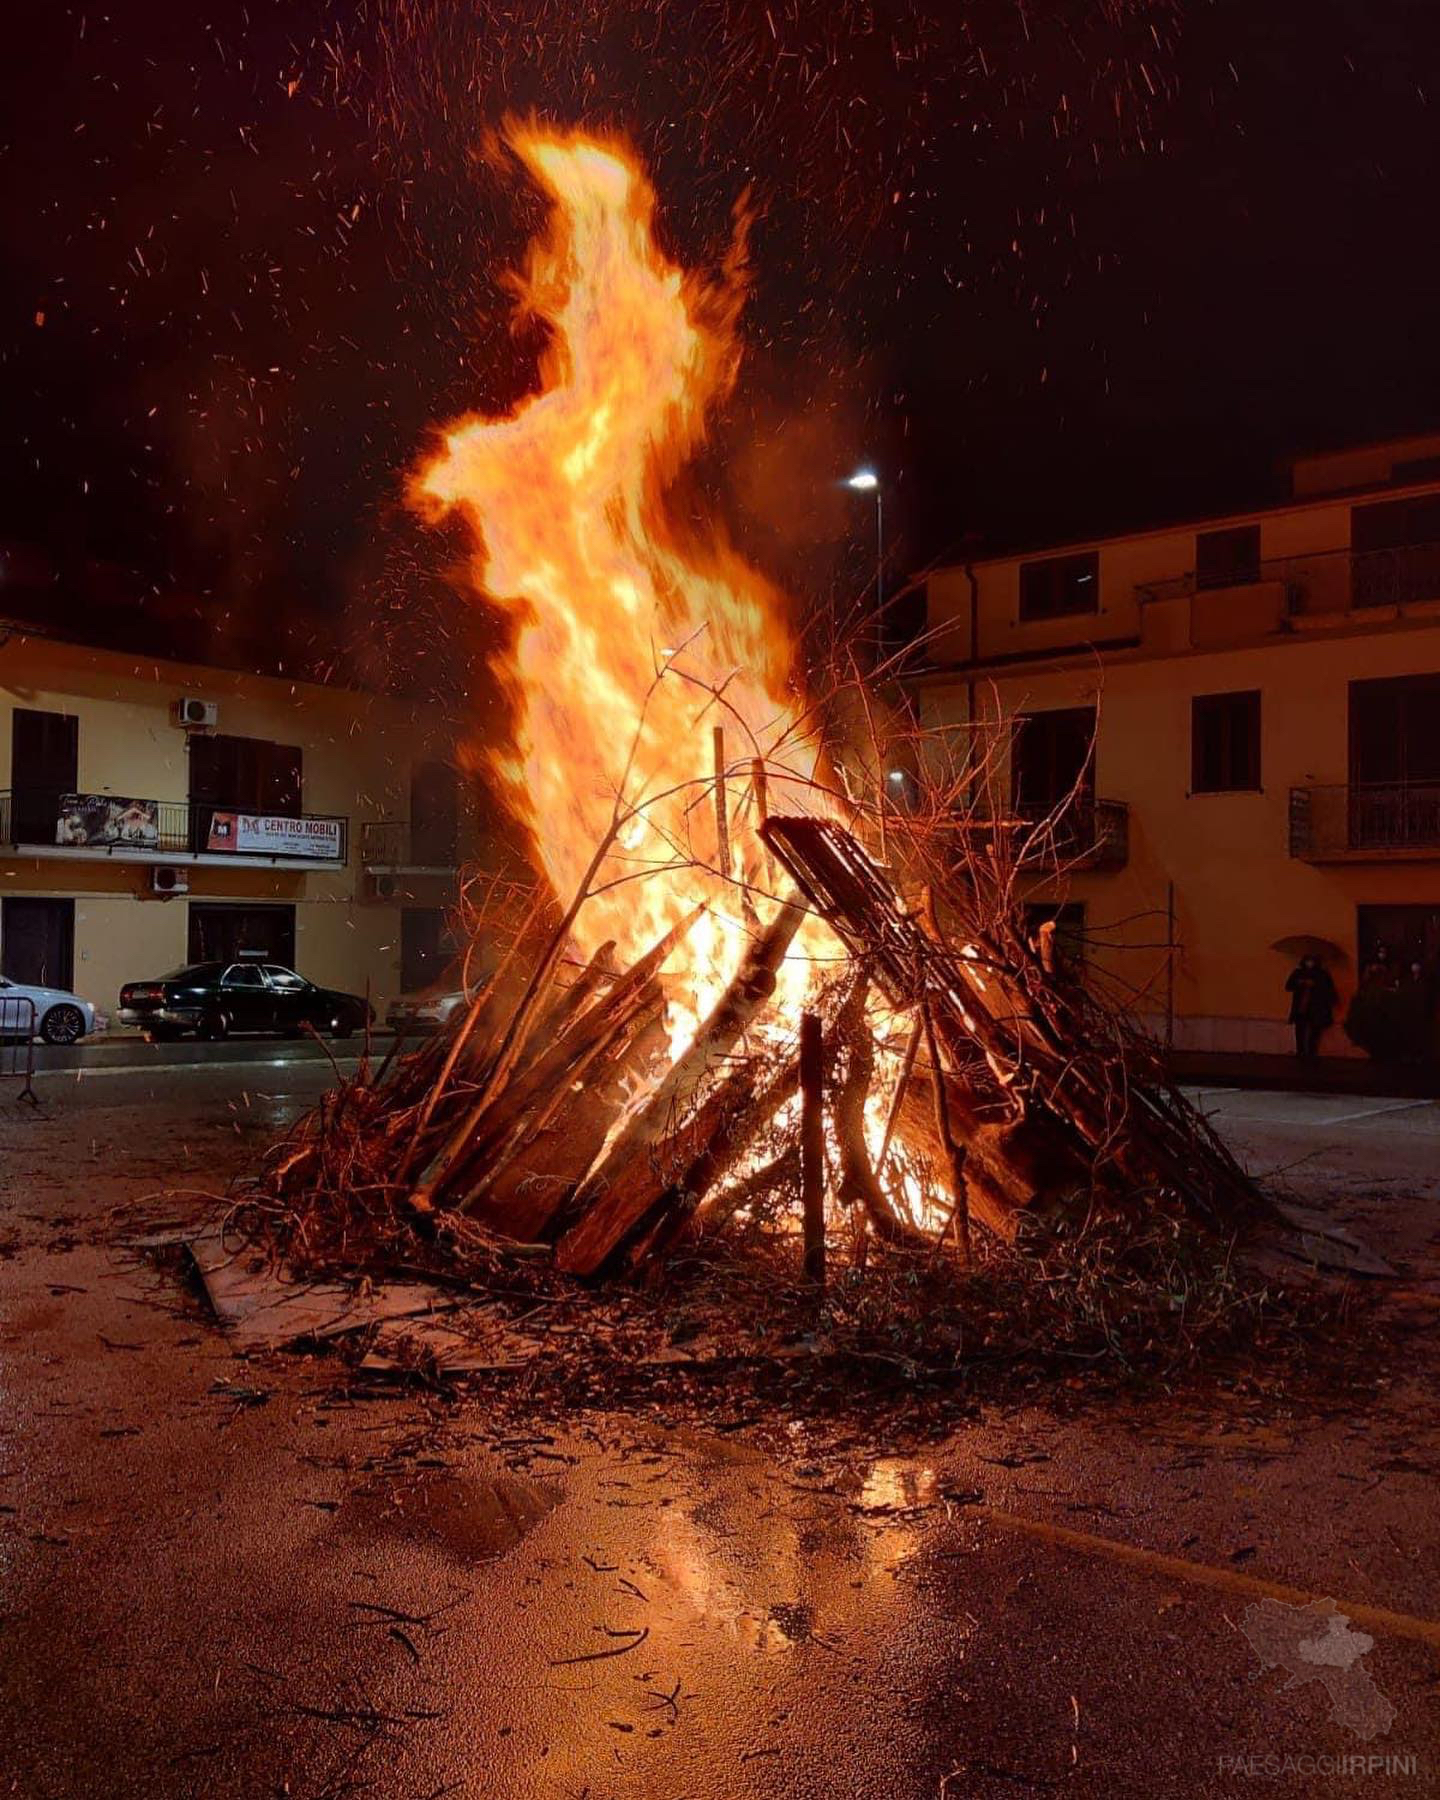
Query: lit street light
866	481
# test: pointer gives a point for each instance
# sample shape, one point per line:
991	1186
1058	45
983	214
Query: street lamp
866	481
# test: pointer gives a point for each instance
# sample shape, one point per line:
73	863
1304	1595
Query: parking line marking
1375	1112
1178	1568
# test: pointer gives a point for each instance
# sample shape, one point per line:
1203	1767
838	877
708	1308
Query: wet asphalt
228	1576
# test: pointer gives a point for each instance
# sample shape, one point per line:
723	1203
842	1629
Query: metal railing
17	1043
397	844
1371	820
1328	580
37	819
1085	834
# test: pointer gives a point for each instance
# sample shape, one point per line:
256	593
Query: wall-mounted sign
108	819
260	834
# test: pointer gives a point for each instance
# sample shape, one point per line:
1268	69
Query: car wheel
214	1027
342	1026
62	1025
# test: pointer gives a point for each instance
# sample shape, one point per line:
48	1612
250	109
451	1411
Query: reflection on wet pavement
471	1519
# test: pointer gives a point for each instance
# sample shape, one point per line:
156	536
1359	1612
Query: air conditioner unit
166	880
381	885
196	715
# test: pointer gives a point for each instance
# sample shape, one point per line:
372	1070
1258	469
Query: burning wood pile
926	1082
742	1013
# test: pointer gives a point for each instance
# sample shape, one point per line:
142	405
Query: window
1396	524
244	975
434	815
1416	468
1052	758
1229	558
1396	546
285	980
1225	743
1060	586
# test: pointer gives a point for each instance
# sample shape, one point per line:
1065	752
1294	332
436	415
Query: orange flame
626	627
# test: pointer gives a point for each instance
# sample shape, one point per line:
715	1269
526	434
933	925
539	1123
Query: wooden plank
812	1145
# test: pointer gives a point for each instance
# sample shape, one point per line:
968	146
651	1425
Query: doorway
1394	798
1410	934
44	761
37	941
219	932
1051	758
241	774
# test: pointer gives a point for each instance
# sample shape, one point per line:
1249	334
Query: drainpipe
974	647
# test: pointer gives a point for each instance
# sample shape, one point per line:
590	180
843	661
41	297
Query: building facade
156	813
1262	693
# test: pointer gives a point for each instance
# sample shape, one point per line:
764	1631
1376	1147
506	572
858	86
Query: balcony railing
397	844
1329	581
1374	821
1086	834
44	820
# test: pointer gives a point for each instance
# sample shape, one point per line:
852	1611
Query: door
246	997
1396	551
44	761
1051	759
37	941
434	816
1409	934
241	774
1395	762
221	932
425	951
290	997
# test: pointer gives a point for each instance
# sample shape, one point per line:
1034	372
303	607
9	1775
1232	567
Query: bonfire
743	988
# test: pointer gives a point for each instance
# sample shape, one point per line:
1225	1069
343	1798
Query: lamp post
866	481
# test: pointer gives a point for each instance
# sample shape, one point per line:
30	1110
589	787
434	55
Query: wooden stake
812	1144
760	788
954	1152
722	820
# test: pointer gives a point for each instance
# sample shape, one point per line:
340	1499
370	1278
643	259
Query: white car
425	1012
59	1017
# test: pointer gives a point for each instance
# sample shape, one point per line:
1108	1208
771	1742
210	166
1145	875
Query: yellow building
155	813
1263	693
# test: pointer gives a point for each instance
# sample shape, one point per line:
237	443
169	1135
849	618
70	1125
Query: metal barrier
17	1043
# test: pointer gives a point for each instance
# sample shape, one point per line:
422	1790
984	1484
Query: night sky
1055	266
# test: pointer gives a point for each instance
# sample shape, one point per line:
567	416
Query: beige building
1263	695
155	813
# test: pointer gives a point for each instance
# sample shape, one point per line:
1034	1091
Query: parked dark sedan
215	998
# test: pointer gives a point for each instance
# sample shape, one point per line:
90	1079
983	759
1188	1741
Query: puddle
472	1519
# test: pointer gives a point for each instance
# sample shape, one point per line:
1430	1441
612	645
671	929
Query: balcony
396	845
1286	590
1374	823
1088	835
45	822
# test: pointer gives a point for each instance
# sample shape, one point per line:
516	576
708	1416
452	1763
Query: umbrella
1304	945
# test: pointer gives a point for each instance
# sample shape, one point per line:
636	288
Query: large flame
627	626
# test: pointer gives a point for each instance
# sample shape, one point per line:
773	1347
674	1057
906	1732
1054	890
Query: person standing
1312	1004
